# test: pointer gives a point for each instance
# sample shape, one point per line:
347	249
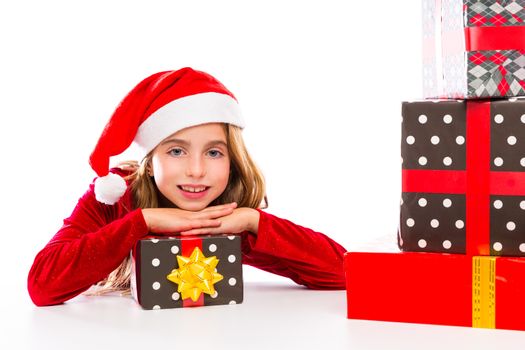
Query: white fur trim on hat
110	188
208	107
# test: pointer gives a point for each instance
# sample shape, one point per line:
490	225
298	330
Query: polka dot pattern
436	223
507	137
434	139
432	227
507	225
157	258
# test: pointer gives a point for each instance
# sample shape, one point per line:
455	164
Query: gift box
172	272
463	177
473	48
435	288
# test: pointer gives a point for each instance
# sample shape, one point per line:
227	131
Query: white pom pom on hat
110	188
156	108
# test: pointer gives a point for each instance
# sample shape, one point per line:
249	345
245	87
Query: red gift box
434	288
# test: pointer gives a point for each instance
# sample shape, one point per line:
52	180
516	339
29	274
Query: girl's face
191	167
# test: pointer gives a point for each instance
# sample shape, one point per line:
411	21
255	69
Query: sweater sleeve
307	257
92	242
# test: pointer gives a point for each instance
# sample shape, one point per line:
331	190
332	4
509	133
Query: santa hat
157	107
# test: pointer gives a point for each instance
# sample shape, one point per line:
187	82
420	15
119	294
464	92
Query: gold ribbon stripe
484	292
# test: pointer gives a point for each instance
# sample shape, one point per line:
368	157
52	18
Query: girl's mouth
193	189
193	192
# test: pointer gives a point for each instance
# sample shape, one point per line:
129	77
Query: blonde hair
246	187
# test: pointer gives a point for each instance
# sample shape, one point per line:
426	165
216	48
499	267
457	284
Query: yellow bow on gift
196	274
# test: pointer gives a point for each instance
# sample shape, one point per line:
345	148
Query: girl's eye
175	152
214	153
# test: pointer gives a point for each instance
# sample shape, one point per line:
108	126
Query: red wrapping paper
429	288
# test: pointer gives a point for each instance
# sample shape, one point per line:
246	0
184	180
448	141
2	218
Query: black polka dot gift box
473	48
463	177
174	272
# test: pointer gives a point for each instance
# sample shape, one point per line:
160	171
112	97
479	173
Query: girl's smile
193	191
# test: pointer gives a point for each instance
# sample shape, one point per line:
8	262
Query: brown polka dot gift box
463	177
473	48
174	272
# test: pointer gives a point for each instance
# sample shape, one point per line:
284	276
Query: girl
195	177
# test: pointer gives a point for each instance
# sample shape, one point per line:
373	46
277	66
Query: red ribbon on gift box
477	182
188	244
495	38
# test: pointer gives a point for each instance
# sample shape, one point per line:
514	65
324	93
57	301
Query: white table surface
275	314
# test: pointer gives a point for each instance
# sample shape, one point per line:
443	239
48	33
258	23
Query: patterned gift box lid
454	63
494	12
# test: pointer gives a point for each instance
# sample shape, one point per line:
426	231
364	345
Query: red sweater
96	238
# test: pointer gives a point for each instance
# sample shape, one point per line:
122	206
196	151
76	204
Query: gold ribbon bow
196	274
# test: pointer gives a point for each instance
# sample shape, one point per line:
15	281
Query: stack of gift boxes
462	214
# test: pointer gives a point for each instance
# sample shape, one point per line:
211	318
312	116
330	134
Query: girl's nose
196	167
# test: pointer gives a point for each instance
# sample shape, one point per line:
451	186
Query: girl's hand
240	220
169	220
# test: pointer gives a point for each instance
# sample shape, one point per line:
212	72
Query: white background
320	84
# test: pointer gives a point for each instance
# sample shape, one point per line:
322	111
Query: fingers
200	225
232	205
214	213
200	231
188	225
